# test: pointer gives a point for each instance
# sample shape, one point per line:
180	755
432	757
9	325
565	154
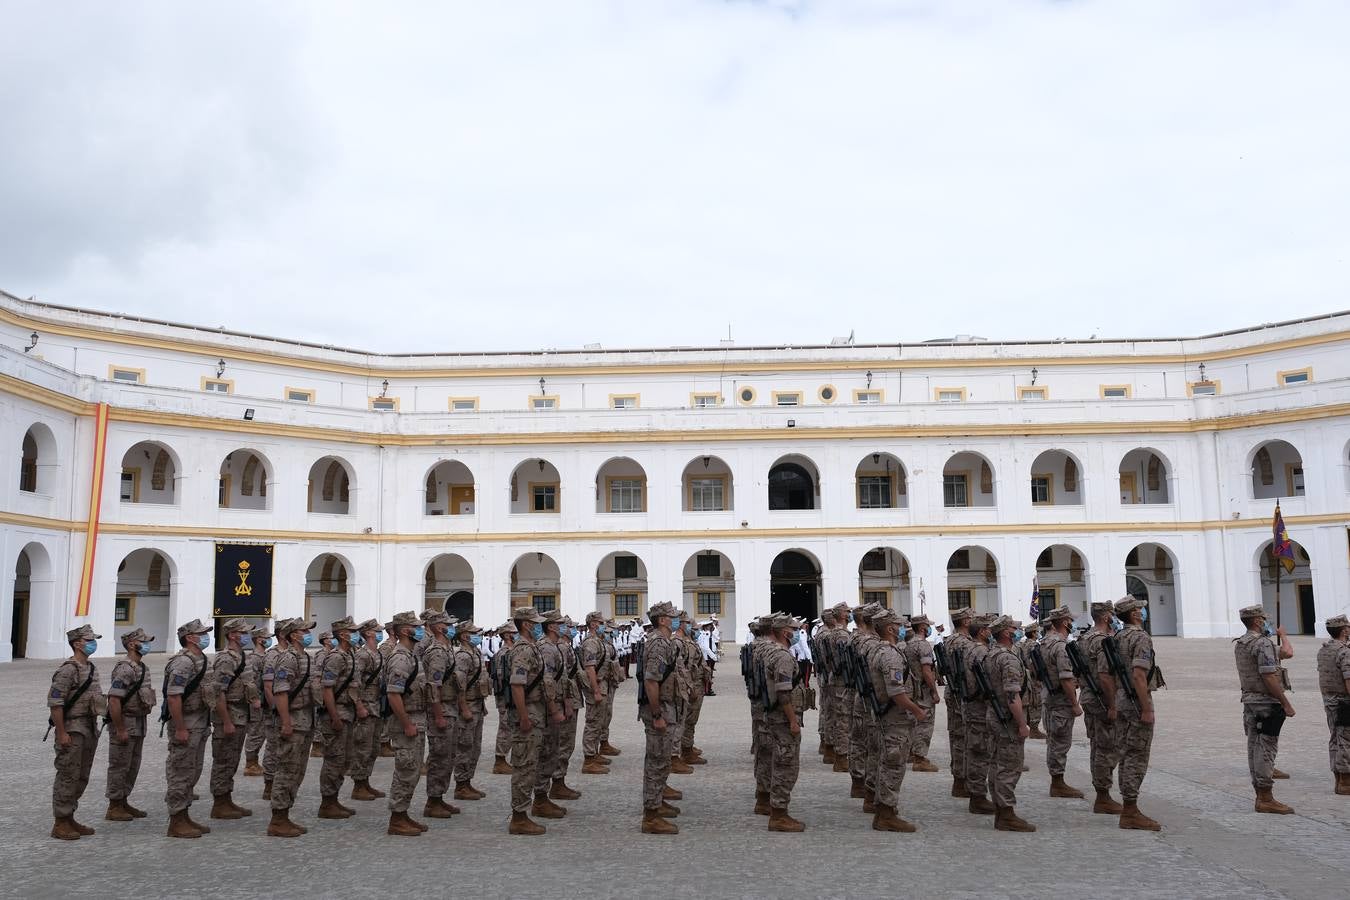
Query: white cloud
521	175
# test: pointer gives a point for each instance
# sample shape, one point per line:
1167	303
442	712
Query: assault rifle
1122	674
995	699
958	676
1043	671
1082	671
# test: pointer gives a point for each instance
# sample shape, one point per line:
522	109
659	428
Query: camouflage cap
409	619
506	628
193	627
346	623
260	632
594	616
1001	623
866	611
1059	613
981	621
885	617
435	617
1033	626
553	616
662	609
964	612
1251	612
426	614
841	606
827	615
137	634
85	633
1101	606
295	625
920	619
467	627
1128	604
1336	622
369	625
779	620
325	636
526	614
230	625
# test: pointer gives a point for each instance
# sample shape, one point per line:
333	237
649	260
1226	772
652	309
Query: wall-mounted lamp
384	388
541	465
539	558
32	342
792	423
1203	379
869	378
706	460
248	414
1034	372
541	385
220	367
876	458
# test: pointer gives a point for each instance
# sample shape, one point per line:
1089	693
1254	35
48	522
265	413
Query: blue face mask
267	642
379	637
1266	629
307	641
1116	624
1018	634
332	643
537	631
674	624
145	648
1143	614
904	633
419	633
451	632
90	647
475	640
203	641
601	630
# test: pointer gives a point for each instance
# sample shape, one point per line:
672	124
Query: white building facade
732	480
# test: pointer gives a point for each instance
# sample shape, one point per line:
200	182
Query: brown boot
859	789
762	807
523	824
1105	804
608	749
594	766
667	811
180	827
361	790
1343	783
669	793
251	767
193	822
653	823
63	830
680	767
560	791
921	764
1036	733
1278	775
402	826
544	808
267	789
779	820
386	751
243	811
692	758
466	791
980	805
870	803
222	808
1060	788
329	808
887	820
436	808
959	788
828	756
118	812
1006	819
1131	817
840	763
1266	803
502	767
315	751
136	813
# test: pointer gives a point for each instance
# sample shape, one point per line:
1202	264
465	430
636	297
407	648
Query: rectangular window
1293	477
544	602
28	475
131	485
543	403
623	401
705	401
1203	388
223	492
384	404
299	395
706	494
954	490
126	375
124	609
882	598
1032	393
1116	391
950	395
787	398
626	604
709	565
543	498
874	492
218	385
1042	490
709	603
1049	599
867	398
625	567
1295	376
957	599
625	495
463	404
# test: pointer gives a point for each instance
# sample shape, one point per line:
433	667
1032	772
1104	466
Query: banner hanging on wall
243	580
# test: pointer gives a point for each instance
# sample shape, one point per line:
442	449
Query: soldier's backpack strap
69	703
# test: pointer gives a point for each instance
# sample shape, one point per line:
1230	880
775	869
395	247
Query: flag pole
1279	566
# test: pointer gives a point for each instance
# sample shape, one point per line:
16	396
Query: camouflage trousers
979	747
785	749
1058	736
922	736
409	752
440	753
859	720
897	742
526	748
841	719
656	761
598	716
272	734
956	735
1338	747
502	745
567	745
691	714
469	743
292	763
872	731
761	765
124	760
183	766
365	746
1261	748
337	754
1101	746
1033	704
73	765
609	713
1132	740
257	734
226	749
548	756
1007	753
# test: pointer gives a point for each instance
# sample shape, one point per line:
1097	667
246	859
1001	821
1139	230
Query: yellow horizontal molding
719	366
17	387
881	532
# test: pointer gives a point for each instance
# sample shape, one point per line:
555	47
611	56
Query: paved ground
1212	845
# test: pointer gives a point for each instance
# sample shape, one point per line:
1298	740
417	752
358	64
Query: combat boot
466	791
959	787
680	767
63	830
361	790
762	807
330	809
560	791
667	810
827	757
83	829
436	809
282	826
267	789
921	764
1106	804
523	824
180	827
118	812
653	823
692	758
315	751
243	812
222	808
1006	819
187	813
544	808
1060	788
840	762
387	751
1278	775
859	789
669	793
402	826
886	819
1036	733
594	765
1343	783
251	767
1131	817
980	805
136	813
779	820
502	767
608	749
1266	803
870	803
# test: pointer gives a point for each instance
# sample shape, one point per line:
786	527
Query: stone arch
38	460
449	489
33	602
706	573
707	485
1061	573
145	596
621	486
535	487
447	577
884	577
1276	470
1145	477
244	475
1297	609
1056	479
149	474
536	580
973	579
968	480
329	590
794	583
331	482
1151	572
880	482
621	585
794	483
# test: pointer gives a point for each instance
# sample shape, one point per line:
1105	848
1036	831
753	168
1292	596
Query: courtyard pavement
1212	845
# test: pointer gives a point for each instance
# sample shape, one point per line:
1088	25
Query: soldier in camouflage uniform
567	729
782	726
502	698
918	653
957	642
368	725
318	657
189	694
260	638
271	741
441	713
338	692
472	688
130	699
598	684
841	692
1032	701
293	682
74	703
406	692
861	757
1333	678
235	696
1265	705
616	676
763	764
891	684
660	718
697	673
979	742
1007	678
557	706
824	677
1100	728
1061	705
526	717
1132	735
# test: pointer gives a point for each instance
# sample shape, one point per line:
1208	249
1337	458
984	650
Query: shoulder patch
179	681
117	684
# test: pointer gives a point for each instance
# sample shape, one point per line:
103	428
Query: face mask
1116	624
332	643
674	624
267	642
144	648
989	639
451	632
1143	614
601	630
90	647
379	637
904	633
1266	629
419	633
307	641
203	641
1018	634
475	640
537	631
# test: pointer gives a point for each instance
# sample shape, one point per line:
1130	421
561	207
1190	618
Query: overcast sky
519	175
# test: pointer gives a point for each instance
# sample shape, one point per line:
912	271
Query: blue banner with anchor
243	580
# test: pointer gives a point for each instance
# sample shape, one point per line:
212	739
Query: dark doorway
18	635
459	605
794	585
1307	610
791	487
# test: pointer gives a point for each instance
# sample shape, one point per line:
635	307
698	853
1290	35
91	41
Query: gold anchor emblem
243	589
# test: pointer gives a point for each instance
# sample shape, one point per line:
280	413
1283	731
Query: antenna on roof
843	341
